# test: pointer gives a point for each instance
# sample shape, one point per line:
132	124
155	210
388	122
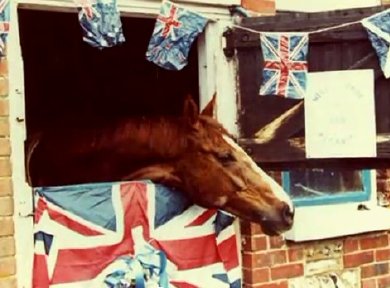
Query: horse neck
151	138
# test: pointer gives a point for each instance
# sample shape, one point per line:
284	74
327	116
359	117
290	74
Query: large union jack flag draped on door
285	64
82	230
100	22
175	30
4	24
378	29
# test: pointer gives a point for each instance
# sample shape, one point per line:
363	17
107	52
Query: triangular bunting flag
175	30
378	29
4	24
285	64
100	21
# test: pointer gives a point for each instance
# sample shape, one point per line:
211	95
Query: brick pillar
7	243
262	7
267	261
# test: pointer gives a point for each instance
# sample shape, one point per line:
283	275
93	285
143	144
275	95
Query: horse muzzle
277	222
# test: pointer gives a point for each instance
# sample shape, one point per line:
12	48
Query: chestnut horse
192	153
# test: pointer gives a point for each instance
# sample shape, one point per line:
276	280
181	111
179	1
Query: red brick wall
7	243
262	7
269	262
272	262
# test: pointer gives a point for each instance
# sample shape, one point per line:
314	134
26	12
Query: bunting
378	29
175	30
100	22
285	64
4	24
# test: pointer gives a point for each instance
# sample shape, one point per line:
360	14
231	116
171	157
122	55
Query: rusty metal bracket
229	49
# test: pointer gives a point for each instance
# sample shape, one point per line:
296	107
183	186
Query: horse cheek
197	181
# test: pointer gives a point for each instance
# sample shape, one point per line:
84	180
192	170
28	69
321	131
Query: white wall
322	5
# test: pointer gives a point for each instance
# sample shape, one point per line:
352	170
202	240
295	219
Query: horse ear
191	111
210	107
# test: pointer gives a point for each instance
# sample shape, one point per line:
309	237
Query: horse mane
137	137
130	142
160	137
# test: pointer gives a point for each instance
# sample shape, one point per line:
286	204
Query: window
329	203
327	186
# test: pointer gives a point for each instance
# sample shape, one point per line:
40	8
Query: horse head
215	172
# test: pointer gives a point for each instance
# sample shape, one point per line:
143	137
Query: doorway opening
69	83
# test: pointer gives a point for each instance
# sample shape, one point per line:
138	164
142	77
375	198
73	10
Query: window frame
326	221
348	197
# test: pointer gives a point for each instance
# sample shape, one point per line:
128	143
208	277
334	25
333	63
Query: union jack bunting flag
100	22
285	64
4	24
378	29
175	30
83	231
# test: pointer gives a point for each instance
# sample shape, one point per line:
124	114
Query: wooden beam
285	22
293	150
279	128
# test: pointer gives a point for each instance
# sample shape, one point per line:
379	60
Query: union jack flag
4	24
100	22
285	64
378	29
175	30
81	230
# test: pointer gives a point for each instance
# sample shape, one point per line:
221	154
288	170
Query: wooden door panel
275	118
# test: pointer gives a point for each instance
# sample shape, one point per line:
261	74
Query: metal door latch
31	214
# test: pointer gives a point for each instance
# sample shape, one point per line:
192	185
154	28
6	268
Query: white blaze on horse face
276	188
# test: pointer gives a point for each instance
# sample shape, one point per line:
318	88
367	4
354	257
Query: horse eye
225	157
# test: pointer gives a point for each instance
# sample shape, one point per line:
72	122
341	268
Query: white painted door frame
216	74
216	9
22	192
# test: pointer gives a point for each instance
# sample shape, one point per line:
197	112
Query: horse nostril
287	214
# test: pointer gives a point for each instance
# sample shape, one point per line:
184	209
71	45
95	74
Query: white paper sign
340	114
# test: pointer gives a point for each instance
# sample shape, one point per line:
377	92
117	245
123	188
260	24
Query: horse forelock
214	128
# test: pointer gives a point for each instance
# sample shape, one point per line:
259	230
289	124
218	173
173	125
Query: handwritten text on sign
340	114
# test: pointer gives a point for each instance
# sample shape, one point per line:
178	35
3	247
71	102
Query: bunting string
308	32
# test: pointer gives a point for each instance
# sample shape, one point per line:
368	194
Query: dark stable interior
67	82
71	84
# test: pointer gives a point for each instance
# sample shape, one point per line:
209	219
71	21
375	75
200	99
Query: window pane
316	182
